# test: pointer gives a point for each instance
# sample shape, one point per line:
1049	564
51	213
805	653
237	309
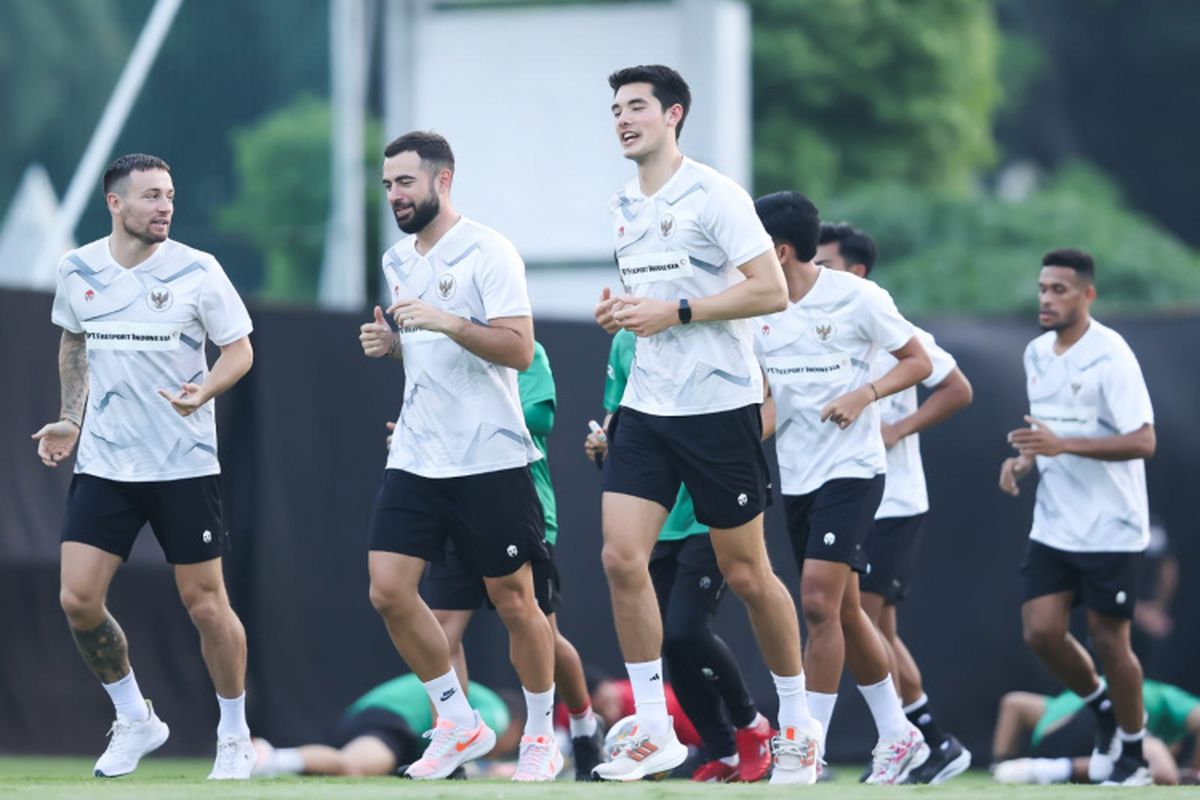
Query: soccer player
459	461
136	308
695	264
822	408
454	592
689	587
381	731
891	547
1091	427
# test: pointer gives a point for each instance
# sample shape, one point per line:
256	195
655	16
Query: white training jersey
146	327
1093	389
904	493
687	241
816	350
461	414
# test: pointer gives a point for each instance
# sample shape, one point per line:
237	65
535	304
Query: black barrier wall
302	448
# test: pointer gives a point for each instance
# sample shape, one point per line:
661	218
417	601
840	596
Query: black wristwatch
685	311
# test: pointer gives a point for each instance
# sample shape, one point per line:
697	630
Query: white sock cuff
1131	737
920	701
788	684
1099	691
887	681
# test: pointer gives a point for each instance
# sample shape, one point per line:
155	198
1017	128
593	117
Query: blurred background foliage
969	136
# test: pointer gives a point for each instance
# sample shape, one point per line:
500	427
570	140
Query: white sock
127	699
233	717
539	712
1051	770
821	705
922	700
449	700
793	702
1131	737
730	761
885	709
649	697
288	760
584	723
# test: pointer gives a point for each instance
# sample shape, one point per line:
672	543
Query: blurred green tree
848	92
282	197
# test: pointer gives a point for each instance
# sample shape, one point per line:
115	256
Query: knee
205	607
623	564
390	599
1042	636
745	580
1110	644
80	606
513	603
821	607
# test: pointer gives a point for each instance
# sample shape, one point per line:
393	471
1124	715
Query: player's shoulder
696	175
1108	339
1040	346
175	253
473	236
627	195
92	256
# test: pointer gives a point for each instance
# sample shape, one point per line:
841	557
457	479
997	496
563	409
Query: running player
459	461
454	592
817	355
689	587
136	308
1091	427
695	264
891	547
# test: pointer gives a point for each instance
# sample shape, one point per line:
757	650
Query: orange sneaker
451	746
754	750
538	759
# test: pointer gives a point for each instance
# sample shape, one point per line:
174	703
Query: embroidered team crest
445	287
666	226
160	299
824	330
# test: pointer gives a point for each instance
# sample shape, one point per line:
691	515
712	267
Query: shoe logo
655	677
829	539
446	695
206	536
642	751
460	746
925	719
708	674
1121	598
705	582
512	551
742	499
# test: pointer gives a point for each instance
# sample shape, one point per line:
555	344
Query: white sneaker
1100	762
642	755
130	741
264	759
538	759
235	759
450	746
1017	770
892	760
796	755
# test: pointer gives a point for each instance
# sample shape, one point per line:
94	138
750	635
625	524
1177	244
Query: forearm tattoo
73	375
104	650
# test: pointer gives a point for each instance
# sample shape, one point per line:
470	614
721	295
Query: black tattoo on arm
73	376
104	650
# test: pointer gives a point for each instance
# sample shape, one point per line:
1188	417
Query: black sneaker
586	750
1129	771
1106	749
944	762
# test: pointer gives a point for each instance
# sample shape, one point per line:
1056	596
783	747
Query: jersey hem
463	472
791	491
676	411
1140	548
174	476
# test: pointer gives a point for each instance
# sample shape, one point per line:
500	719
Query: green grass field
166	779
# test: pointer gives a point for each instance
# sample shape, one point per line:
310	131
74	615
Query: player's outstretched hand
1036	440
391	426
1011	471
55	441
842	411
644	316
604	311
187	401
377	337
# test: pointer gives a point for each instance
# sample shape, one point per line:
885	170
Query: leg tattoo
104	650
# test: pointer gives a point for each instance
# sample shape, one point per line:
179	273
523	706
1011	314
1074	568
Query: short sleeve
620	357
62	314
536	384
881	321
1125	392
222	312
943	363
502	282
732	223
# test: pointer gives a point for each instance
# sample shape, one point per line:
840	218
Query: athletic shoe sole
956	767
156	743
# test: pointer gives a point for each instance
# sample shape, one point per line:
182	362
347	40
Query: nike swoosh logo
460	746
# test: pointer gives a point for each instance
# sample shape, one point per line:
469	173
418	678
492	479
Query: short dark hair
854	246
432	148
1074	259
790	218
120	169
668	86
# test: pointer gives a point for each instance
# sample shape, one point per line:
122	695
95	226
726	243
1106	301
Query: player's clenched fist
377	337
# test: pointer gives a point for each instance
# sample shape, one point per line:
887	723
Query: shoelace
629	744
227	751
884	757
793	747
440	741
534	757
118	734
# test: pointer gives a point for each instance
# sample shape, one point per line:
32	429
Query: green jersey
681	522
406	696
536	387
1167	709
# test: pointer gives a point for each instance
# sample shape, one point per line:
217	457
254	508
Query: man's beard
1061	323
145	236
423	214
